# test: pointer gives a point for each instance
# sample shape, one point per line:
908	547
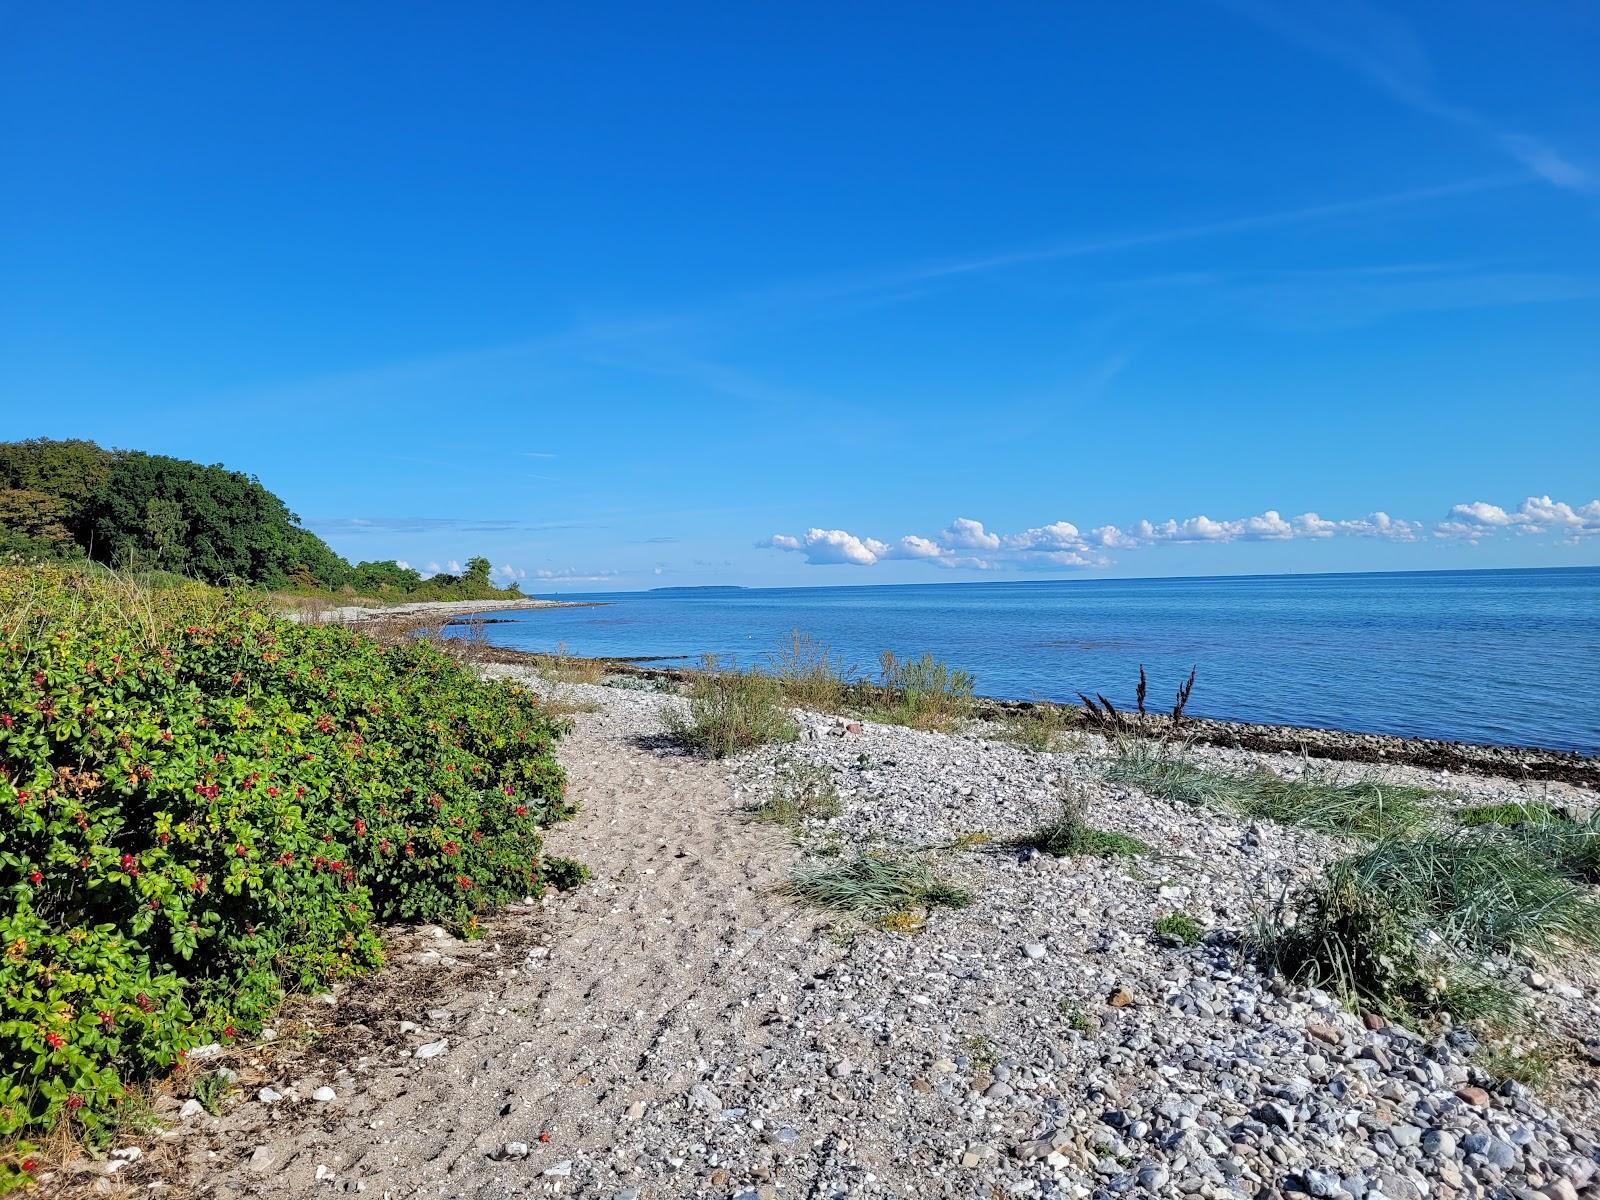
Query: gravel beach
679	1027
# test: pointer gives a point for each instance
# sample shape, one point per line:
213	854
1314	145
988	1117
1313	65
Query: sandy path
559	1023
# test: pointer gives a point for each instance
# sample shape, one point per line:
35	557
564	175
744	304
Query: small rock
1034	950
432	1049
191	1108
564	1167
267	1096
1474	1096
324	1094
1120	998
1439	1143
511	1150
263	1158
1154	1177
841	1068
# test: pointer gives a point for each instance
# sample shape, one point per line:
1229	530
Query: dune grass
874	884
1571	846
1362	807
1411	923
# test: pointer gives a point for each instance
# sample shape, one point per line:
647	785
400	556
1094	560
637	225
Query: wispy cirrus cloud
347	526
1386	52
967	543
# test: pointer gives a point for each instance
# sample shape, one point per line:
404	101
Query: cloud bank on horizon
966	543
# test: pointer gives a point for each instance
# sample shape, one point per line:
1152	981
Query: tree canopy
144	511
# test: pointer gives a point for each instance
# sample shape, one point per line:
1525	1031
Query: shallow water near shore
1503	657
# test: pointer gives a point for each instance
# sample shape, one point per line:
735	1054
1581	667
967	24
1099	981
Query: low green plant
921	693
1179	928
202	804
1039	727
209	1089
875	884
1364	807
731	712
1507	815
1410	924
1068	834
1077	1018
802	791
564	874
1533	1065
980	1052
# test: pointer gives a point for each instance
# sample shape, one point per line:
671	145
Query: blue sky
627	295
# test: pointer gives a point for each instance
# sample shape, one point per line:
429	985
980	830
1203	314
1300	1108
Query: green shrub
809	674
202	804
923	693
565	874
730	712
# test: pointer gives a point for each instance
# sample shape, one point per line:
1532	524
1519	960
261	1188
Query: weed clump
1068	834
1039	727
803	792
730	712
808	674
1179	929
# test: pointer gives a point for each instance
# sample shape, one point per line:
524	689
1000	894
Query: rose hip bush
202	804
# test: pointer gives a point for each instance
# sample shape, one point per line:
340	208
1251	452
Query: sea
1503	657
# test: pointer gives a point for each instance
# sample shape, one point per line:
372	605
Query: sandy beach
679	1027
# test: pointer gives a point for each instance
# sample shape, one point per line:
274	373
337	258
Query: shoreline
355	614
1528	763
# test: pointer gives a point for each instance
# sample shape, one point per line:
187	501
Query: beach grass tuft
1362	807
809	674
874	884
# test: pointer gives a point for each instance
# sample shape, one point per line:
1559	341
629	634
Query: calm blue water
1484	656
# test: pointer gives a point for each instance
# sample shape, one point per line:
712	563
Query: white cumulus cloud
968	543
1536	514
